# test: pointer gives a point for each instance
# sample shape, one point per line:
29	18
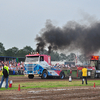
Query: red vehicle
95	61
40	64
90	71
93	68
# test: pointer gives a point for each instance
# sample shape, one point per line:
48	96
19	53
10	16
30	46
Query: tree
2	49
26	50
63	56
8	52
11	52
72	56
15	51
82	58
54	56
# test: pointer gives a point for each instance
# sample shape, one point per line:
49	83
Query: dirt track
68	93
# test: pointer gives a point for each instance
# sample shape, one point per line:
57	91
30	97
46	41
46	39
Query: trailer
90	71
93	69
40	65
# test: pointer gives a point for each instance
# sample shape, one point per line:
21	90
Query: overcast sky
22	20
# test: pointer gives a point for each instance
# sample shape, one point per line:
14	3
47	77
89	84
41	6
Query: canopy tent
7	58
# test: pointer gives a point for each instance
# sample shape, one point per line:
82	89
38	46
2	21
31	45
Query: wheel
62	75
93	74
30	76
44	74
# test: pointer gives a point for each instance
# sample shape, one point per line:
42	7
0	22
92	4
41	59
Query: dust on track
38	79
66	93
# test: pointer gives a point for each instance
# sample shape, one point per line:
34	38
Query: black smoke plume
72	36
49	49
40	45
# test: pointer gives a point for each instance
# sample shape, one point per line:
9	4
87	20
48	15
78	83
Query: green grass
52	84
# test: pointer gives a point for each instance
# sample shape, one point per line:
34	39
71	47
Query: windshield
93	62
96	64
31	58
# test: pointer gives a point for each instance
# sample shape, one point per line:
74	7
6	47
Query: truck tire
62	75
30	76
44	75
93	74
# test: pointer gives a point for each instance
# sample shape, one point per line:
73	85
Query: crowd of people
63	65
18	68
14	67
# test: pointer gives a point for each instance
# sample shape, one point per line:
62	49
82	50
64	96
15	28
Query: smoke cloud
72	36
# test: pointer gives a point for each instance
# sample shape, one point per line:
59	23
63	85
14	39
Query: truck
95	61
93	68
90	71
40	65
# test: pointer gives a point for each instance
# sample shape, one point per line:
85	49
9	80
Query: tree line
55	56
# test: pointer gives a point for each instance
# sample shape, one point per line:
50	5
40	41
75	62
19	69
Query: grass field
52	84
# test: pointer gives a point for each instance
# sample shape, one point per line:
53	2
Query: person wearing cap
2	79
84	75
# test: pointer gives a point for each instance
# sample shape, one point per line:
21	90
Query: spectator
14	67
4	77
66	65
84	75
